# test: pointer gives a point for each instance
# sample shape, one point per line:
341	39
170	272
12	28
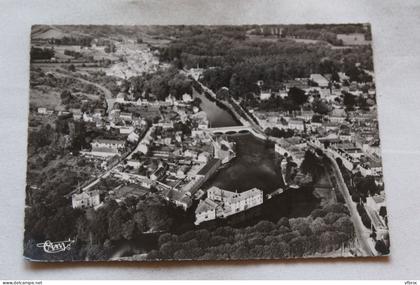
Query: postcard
150	143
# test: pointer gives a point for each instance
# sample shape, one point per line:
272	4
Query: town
130	126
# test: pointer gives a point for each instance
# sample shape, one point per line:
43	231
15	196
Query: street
362	234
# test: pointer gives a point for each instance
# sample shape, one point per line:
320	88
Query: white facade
85	200
221	203
320	80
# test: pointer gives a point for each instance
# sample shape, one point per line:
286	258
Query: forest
233	60
325	230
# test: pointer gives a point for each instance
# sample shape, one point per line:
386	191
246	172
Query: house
126	116
343	76
87	118
337	115
120	98
187	98
203	157
159	173
77	114
182	171
265	95
221	203
306	115
206	211
105	148
296	124
113	144
209	168
134	163
352	39
85	200
375	206
179	198
42	110
126	130
320	80
98	113
170	100
133	137
376	202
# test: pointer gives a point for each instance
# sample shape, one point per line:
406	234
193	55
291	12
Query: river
254	166
217	116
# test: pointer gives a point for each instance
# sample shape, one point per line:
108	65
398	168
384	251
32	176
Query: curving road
108	94
362	234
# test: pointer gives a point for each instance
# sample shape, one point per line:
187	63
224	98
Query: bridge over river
235	130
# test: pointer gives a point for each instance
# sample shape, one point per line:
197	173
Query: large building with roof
222	203
320	80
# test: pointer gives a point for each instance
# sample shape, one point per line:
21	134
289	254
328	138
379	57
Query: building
77	114
179	198
187	98
206	211
134	163
209	168
42	110
85	200
296	124
126	116
113	144
305	115
105	148
337	115
126	130
353	39
120	98
221	203
320	80
265	95
375	206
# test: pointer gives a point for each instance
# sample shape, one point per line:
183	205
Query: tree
320	107
280	250
349	100
381	247
297	96
345	225
329	241
367	186
72	68
318	226
298	246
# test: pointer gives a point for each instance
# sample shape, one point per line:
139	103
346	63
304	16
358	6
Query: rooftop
209	165
107	141
206	205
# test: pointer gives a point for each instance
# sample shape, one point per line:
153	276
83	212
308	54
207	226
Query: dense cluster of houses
167	159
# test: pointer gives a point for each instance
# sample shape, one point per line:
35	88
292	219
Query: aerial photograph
248	142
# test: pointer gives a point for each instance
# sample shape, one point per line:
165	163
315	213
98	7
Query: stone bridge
230	130
235	130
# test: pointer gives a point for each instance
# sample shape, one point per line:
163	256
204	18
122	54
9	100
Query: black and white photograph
203	142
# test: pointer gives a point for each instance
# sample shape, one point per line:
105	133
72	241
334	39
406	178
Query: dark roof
208	166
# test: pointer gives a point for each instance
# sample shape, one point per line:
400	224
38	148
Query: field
44	96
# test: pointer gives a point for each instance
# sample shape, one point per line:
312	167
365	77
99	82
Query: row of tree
325	230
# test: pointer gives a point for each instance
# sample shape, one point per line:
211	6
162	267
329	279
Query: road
362	234
108	95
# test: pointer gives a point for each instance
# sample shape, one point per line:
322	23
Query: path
108	94
362	234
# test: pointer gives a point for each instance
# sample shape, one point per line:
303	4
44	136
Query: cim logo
57	246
